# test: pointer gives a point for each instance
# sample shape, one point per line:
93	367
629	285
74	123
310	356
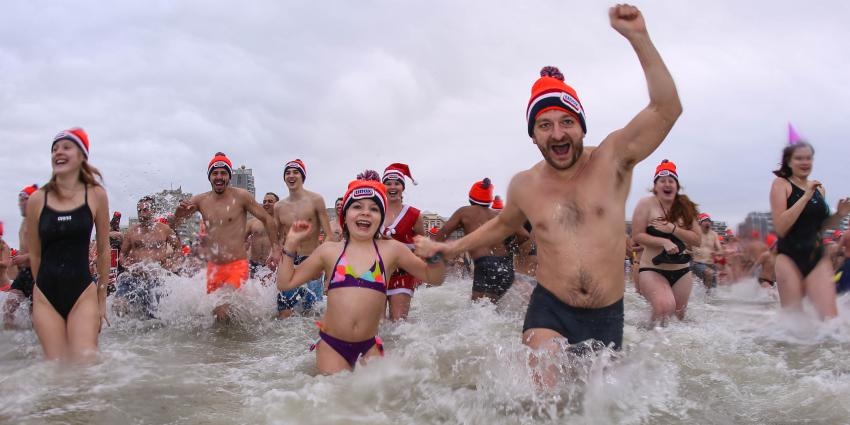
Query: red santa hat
220	160
704	217
298	165
76	135
397	171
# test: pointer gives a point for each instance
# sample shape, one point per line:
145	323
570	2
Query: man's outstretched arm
645	132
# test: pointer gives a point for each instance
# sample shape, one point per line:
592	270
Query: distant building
719	227
432	220
243	178
761	222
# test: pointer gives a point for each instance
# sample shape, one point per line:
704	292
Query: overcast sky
441	85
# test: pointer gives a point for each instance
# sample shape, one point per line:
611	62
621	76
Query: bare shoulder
241	194
199	198
37	197
646	200
780	183
390	246
329	249
318	200
97	191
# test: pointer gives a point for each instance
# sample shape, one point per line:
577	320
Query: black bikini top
664	257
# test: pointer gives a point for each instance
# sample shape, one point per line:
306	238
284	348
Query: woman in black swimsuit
67	307
800	214
665	225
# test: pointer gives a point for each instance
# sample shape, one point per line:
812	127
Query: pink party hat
793	137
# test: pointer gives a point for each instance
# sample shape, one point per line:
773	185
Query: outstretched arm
645	132
492	232
431	272
449	227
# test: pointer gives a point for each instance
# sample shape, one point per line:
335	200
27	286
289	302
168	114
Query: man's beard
577	150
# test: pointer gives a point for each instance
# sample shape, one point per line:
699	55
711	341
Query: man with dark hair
257	239
575	200
144	254
224	211
301	205
494	267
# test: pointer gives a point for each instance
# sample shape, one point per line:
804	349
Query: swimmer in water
800	212
224	210
665	224
359	267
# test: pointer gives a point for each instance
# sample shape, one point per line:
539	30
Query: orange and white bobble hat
666	168
299	166
397	171
76	135
481	193
550	92
220	160
366	186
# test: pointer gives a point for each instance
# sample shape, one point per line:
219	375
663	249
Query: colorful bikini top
344	276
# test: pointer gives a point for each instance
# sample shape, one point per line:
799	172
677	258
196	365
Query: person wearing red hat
800	213
703	264
575	198
402	223
145	257
259	244
68	308
494	265
497	203
301	205
665	224
359	268
21	287
766	264
224	211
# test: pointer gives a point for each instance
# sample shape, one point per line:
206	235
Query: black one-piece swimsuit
64	271
802	242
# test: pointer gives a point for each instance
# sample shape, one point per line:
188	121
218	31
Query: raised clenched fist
627	20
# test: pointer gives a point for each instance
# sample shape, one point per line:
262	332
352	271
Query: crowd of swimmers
560	231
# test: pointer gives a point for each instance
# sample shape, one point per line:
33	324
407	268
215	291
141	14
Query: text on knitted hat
550	92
